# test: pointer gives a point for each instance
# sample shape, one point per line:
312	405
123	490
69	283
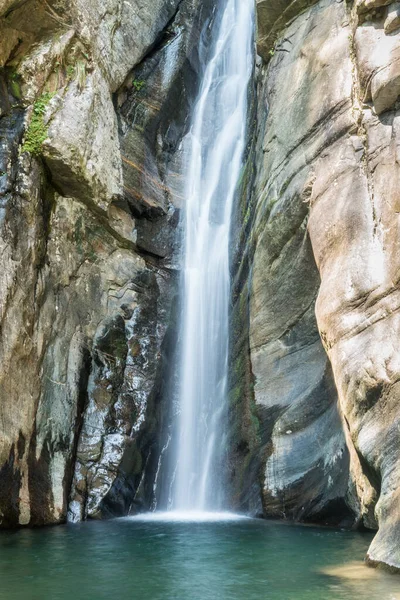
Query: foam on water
189	517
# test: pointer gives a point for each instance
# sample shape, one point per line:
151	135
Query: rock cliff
320	284
90	125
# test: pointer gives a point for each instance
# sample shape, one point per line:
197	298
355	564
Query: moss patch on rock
37	130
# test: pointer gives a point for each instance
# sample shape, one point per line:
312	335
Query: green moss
37	130
15	85
138	84
16	89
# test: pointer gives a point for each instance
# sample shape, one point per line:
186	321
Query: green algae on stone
37	130
15	87
138	84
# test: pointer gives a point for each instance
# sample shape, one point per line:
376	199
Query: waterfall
213	155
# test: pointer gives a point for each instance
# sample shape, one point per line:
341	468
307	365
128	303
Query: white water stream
213	152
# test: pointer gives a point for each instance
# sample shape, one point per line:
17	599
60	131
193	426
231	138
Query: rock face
87	253
301	445
321	285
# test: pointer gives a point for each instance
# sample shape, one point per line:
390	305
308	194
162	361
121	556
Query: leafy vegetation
138	84
37	130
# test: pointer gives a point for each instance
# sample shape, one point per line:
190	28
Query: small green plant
2	173
15	86
138	84
37	130
271	51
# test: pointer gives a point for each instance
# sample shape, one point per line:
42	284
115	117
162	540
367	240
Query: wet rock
84	359
392	21
303	461
82	316
326	221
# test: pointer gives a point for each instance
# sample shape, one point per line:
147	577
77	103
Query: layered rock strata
322	281
87	268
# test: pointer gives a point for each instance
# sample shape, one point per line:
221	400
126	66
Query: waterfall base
190	516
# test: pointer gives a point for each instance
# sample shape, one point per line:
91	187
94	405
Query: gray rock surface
304	466
323	274
87	279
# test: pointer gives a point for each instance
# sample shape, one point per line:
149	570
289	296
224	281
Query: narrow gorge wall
94	100
321	282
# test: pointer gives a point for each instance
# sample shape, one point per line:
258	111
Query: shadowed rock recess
95	98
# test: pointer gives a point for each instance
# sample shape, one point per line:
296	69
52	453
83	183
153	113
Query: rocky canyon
95	99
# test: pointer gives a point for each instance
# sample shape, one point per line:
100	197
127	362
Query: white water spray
213	152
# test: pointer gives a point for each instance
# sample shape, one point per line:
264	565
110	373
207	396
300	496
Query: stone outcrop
87	254
301	445
322	278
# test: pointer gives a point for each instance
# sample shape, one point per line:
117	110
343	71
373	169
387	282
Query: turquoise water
142	560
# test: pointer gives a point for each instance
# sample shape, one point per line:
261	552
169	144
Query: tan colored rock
360	261
5	5
9	41
392	21
330	160
365	6
378	62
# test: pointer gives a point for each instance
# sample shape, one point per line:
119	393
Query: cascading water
213	153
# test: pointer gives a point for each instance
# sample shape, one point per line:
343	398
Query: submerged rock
358	578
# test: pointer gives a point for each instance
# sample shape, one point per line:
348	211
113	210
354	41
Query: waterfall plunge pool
152	559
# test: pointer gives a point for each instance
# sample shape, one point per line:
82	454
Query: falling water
213	152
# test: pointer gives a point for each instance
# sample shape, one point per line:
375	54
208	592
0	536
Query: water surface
130	559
